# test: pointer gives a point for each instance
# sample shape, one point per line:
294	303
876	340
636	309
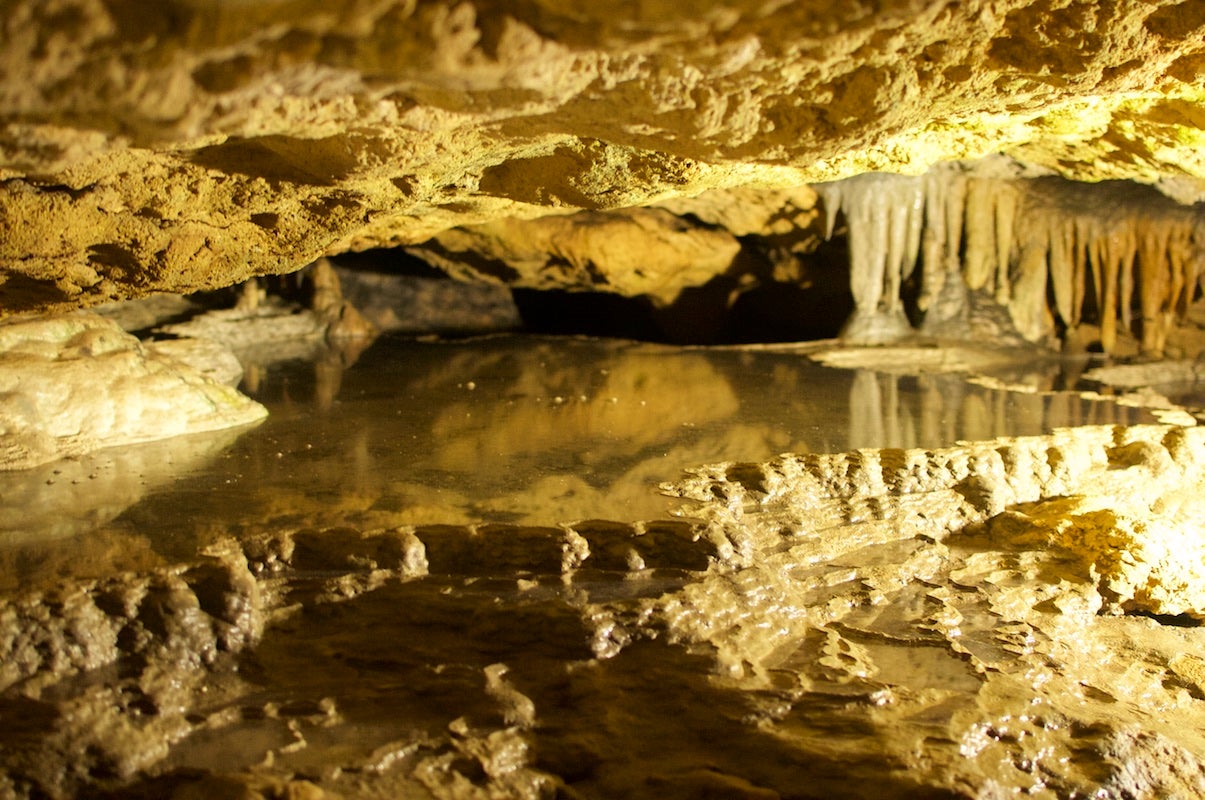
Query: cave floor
476	568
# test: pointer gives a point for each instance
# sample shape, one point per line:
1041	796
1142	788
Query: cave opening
751	399
746	307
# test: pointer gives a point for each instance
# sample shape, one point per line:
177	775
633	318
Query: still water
319	607
509	429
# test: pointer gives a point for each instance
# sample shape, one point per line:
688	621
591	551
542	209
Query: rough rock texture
640	251
184	145
73	384
932	623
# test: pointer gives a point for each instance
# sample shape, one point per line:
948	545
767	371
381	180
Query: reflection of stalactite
1057	254
897	410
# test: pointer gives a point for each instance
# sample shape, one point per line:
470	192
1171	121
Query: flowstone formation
73	384
965	622
188	145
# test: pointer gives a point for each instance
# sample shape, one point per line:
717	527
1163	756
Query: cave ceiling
191	144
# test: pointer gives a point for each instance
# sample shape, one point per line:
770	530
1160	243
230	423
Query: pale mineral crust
179	145
75	383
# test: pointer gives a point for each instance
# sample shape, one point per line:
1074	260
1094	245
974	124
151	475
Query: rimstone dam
491	399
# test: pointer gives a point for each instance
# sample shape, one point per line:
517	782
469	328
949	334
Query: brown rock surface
182	145
639	251
932	623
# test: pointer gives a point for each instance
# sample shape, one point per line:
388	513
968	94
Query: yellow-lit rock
191	145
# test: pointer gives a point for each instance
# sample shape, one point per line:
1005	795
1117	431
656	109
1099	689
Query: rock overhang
193	145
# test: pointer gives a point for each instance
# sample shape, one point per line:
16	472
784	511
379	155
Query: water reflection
892	410
51	515
529	430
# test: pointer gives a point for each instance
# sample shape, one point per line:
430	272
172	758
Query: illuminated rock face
186	145
73	384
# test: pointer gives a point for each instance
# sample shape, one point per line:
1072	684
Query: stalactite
1062	273
1086	237
935	240
1006	198
1177	250
1110	256
980	226
1125	280
1028	307
1058	255
1152	297
1079	234
884	214
943	291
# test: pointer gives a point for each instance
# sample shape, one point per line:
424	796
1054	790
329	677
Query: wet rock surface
73	384
930	619
887	619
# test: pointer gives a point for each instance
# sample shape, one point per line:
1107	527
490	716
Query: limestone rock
1122	500
641	251
176	146
73	384
208	357
751	211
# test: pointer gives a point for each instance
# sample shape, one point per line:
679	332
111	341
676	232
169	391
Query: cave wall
187	144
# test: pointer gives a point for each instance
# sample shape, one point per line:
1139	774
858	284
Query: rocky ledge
188	145
1013	615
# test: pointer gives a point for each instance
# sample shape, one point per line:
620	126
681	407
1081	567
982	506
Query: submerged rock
77	383
979	620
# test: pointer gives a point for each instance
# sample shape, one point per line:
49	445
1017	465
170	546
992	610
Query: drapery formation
1058	255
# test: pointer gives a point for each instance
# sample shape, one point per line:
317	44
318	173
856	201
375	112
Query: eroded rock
930	622
183	146
73	384
641	251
